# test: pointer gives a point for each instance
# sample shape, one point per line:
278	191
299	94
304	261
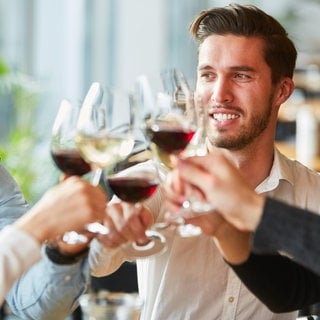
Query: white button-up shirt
191	280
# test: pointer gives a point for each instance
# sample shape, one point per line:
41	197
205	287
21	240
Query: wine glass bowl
63	148
133	187
104	129
170	118
168	140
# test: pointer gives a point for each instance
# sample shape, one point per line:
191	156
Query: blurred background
54	49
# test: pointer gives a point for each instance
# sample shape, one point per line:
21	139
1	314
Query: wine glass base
192	209
73	237
96	227
155	246
197	207
189	230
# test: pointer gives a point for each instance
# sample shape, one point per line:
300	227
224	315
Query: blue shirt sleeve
46	291
12	203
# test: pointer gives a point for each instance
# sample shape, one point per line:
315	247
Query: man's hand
127	223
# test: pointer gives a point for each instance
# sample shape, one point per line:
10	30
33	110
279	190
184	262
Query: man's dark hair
249	21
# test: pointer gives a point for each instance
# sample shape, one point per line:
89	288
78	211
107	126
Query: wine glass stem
96	177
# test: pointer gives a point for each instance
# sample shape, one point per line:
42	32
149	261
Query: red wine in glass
70	162
132	189
169	140
135	184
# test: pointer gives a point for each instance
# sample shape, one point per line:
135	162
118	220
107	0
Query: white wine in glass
104	129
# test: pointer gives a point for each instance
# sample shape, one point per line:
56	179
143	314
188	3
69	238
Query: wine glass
104	128
106	305
65	153
135	181
171	125
104	132
197	147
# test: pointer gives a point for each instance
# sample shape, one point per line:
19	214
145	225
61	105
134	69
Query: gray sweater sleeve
292	231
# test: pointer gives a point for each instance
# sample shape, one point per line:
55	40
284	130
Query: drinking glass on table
105	305
172	126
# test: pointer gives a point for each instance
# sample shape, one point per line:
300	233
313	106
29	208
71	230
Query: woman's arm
279	282
291	230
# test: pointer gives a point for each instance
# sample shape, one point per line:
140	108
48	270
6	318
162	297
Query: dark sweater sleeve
290	230
280	283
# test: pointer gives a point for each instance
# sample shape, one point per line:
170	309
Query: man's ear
285	89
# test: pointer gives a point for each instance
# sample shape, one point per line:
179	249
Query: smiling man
245	67
235	84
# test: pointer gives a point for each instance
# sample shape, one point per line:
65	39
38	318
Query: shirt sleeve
291	231
48	291
12	203
45	291
15	258
280	283
105	261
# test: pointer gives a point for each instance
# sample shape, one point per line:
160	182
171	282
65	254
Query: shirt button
231	299
67	278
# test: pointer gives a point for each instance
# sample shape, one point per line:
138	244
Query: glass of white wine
105	128
104	132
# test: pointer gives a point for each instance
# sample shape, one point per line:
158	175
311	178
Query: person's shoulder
301	171
4	174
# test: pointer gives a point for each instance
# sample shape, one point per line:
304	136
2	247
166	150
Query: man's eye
242	76
206	76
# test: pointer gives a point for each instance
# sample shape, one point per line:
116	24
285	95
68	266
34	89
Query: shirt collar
280	171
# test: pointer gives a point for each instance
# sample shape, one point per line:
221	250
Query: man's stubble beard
246	135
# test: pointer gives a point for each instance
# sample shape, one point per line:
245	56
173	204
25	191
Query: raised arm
47	290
